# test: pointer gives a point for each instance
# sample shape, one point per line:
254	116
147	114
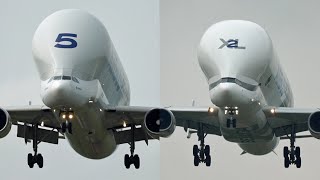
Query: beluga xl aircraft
253	101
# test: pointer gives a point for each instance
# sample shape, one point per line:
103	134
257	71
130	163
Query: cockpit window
56	77
75	79
66	77
245	85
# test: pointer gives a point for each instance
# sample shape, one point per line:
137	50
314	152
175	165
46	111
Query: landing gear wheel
66	127
30	160
39	160
208	161
69	126
207	150
298	162
285	151
234	123
127	161
63	127
228	123
196	161
136	161
195	150
286	162
297	151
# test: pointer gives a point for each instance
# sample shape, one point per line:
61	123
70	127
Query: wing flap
43	135
282	119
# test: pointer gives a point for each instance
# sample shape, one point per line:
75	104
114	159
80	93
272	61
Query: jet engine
5	123
314	124
159	123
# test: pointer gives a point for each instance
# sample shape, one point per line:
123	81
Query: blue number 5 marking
65	37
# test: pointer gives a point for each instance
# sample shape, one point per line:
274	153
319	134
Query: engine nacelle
314	124
5	123
159	123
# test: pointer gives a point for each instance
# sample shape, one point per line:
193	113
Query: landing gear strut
292	155
201	154
36	158
133	158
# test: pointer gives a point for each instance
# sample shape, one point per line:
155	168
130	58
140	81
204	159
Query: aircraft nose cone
58	94
224	94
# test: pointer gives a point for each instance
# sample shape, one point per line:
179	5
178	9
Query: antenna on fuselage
193	103
29	103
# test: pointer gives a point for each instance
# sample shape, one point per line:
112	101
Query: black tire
298	162
127	162
285	152
40	160
196	161
286	162
136	161
195	150
208	161
297	151
234	123
30	160
207	150
228	123
63	127
69	126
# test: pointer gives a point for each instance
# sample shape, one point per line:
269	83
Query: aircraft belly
89	137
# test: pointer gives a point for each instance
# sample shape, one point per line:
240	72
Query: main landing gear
292	155
36	158
201	154
133	158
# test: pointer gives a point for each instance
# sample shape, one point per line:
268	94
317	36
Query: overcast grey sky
134	29
293	26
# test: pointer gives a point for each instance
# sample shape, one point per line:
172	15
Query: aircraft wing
192	117
186	117
25	117
121	120
281	119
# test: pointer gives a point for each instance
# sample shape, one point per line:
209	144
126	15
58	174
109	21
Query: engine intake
314	124
5	123
159	123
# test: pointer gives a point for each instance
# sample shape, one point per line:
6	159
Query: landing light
63	116
70	116
42	123
90	101
237	112
272	110
210	110
124	124
100	110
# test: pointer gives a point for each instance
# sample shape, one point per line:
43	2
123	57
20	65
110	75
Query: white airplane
86	93
253	101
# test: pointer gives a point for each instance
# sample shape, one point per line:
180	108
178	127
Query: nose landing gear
67	125
231	121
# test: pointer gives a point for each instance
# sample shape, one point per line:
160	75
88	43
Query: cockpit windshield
243	84
74	79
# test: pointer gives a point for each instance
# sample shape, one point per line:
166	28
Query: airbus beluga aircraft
253	101
85	91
